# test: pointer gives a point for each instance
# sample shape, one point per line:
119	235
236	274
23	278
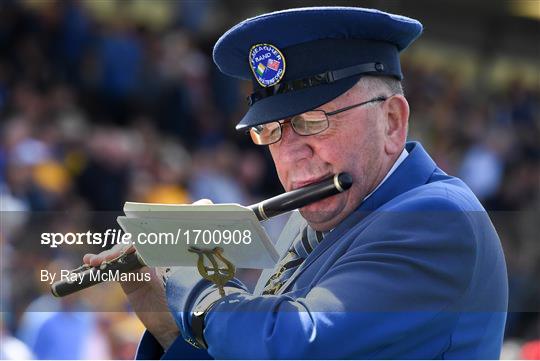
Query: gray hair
381	86
377	84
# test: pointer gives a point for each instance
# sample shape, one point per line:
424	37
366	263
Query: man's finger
87	257
96	259
203	202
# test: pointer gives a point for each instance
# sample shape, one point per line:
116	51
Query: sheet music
163	233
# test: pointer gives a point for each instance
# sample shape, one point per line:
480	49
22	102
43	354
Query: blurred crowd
104	102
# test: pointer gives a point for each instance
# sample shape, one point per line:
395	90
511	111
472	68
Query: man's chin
323	215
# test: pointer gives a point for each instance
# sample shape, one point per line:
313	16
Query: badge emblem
267	64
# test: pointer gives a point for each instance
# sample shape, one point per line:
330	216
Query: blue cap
300	59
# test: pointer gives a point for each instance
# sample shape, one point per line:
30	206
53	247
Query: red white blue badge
267	64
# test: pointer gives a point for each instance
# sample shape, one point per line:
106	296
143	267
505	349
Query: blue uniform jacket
417	271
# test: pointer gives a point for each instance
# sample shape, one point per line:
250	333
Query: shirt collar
398	161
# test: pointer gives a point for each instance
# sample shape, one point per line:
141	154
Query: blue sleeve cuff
185	291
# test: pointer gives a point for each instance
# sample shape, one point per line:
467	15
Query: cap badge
267	64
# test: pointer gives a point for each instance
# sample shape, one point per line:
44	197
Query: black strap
314	80
199	314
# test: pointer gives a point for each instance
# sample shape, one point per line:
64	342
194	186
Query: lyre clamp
215	274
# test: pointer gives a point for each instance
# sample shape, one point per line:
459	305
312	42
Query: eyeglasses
308	123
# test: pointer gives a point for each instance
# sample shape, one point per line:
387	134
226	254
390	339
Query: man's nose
293	146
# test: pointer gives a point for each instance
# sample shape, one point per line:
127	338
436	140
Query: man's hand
147	298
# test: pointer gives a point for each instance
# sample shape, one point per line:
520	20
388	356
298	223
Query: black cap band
315	80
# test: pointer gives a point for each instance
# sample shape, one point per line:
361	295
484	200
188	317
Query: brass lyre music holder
215	274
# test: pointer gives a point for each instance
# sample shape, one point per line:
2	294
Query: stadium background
107	101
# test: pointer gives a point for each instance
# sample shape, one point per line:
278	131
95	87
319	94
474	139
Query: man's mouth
305	182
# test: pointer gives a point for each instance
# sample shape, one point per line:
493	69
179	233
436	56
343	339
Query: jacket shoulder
446	194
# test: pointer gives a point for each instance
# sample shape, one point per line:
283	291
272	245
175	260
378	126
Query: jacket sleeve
182	285
385	296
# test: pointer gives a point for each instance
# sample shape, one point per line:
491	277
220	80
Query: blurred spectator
70	335
483	164
531	350
12	348
214	175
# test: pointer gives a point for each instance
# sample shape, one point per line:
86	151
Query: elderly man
406	264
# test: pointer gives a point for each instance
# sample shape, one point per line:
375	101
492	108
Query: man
405	264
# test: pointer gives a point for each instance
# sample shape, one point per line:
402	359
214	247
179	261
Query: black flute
264	210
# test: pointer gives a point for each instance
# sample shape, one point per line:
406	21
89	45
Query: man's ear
397	115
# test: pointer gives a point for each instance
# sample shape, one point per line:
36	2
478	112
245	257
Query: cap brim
283	106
